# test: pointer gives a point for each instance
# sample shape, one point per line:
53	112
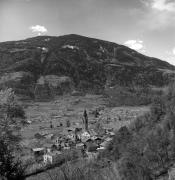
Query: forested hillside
85	63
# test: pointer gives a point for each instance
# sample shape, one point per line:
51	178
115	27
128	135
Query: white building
80	146
51	157
100	149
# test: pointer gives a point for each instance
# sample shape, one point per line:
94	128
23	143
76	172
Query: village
83	130
87	142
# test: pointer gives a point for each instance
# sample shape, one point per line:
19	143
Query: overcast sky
145	25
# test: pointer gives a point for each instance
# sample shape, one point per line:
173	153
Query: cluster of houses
81	139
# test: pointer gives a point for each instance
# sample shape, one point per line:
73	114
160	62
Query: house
92	132
108	139
91	155
48	136
71	129
62	144
54	147
80	146
56	140
71	137
70	47
108	130
100	149
85	136
29	122
66	147
111	134
38	151
48	147
86	140
104	144
78	133
92	147
51	157
98	140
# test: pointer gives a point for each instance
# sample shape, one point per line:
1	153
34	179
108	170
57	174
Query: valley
44	119
85	100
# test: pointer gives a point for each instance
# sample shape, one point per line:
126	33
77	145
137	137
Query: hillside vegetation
90	64
143	151
44	67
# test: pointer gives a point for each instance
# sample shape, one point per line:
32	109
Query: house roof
89	140
54	153
96	138
85	139
92	148
85	134
92	132
109	128
80	144
37	149
71	129
48	135
101	148
104	144
112	133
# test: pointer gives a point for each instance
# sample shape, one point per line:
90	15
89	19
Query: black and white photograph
87	89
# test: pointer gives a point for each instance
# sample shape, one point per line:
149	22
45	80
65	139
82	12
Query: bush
85	170
16	111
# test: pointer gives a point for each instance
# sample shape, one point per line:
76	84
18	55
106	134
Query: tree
157	147
119	144
133	165
10	167
158	109
68	123
12	116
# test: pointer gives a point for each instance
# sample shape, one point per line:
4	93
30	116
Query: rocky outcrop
52	85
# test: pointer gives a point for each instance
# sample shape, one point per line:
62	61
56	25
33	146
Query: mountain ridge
90	63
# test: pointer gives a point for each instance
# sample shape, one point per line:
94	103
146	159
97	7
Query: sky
147	26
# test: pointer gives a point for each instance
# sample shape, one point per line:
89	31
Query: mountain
47	65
